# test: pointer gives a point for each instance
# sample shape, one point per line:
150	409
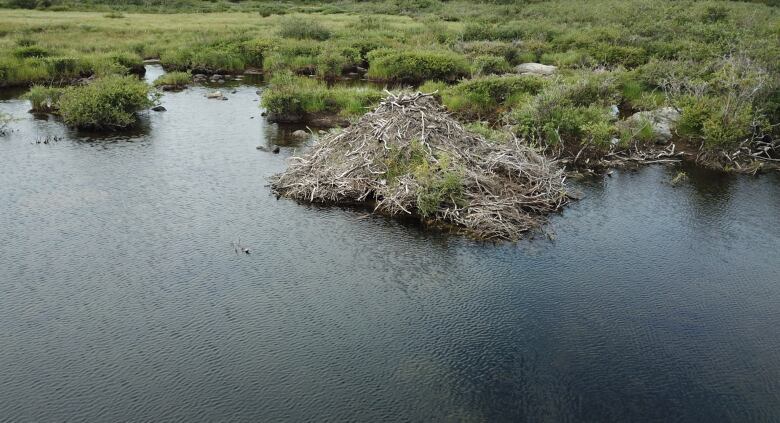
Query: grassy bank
716	62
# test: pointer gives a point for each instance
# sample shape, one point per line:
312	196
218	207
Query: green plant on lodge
109	103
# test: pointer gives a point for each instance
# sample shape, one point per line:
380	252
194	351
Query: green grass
174	79
43	99
298	97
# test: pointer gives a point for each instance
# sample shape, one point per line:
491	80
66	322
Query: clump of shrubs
487	97
173	80
43	99
417	66
108	103
488	65
291	98
304	30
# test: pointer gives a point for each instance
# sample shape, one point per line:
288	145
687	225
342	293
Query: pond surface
123	297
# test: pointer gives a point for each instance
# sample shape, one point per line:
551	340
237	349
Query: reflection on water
123	298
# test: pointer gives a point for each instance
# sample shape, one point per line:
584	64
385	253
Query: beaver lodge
410	157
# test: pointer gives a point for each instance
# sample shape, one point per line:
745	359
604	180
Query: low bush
292	98
508	51
109	103
304	30
43	99
488	65
487	97
30	51
417	66
173	79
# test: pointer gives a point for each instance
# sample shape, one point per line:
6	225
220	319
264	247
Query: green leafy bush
43	99
109	103
294	98
30	51
488	65
485	97
306	29
417	66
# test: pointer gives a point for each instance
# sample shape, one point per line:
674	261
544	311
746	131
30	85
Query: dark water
122	298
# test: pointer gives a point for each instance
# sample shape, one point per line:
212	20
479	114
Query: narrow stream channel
123	298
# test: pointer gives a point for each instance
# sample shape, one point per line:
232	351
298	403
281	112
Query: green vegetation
487	97
439	182
43	99
293	98
717	62
174	80
106	104
416	66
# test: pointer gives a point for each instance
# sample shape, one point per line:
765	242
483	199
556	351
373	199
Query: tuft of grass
173	79
296	98
303	29
43	99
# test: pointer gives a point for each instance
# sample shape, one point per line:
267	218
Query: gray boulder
663	121
535	69
300	134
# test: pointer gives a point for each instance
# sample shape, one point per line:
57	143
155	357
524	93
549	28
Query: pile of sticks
508	188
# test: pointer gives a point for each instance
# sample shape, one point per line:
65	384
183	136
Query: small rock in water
215	94
159	108
264	114
300	134
276	150
262	148
258	92
234	91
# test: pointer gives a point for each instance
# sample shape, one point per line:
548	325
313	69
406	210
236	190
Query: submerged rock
536	69
300	134
662	121
217	95
159	108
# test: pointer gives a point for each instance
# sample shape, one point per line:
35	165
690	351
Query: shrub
43	99
304	30
216	60
554	119
568	59
30	51
295	97
417	66
484	97
109	103
490	48
487	65
254	51
175	79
